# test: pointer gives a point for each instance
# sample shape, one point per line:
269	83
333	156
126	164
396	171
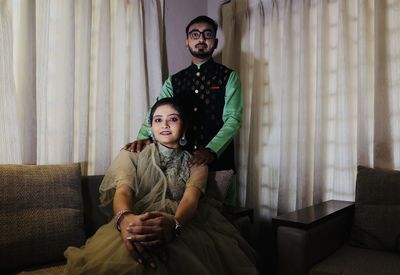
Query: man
211	96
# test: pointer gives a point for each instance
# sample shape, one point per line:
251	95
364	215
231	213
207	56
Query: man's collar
208	61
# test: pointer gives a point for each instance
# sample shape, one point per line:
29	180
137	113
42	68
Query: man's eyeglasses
207	34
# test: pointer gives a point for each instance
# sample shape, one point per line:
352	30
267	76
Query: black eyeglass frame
202	33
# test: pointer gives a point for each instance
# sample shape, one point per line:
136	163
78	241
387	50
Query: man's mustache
201	44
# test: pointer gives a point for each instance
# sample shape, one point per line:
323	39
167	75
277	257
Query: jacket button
198	74
195	109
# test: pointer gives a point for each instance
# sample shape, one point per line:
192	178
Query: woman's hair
168	101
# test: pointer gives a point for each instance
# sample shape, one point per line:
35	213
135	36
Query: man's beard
201	53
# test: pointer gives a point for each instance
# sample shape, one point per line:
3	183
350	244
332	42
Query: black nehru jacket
201	93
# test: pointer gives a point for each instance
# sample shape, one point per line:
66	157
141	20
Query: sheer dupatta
148	180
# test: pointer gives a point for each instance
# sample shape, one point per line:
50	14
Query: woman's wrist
119	216
177	228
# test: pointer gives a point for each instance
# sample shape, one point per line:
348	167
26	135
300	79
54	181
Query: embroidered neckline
168	152
171	163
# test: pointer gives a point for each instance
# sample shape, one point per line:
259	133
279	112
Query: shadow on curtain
321	85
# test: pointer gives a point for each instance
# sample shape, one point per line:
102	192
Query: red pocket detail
214	88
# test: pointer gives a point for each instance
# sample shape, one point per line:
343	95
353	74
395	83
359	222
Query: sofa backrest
376	222
41	213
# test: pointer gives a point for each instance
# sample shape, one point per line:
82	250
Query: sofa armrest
233	213
93	216
306	236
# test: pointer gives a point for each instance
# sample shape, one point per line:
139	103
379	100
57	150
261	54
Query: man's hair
203	19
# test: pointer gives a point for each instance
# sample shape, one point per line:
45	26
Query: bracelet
119	216
178	228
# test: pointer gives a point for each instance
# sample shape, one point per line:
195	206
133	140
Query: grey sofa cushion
40	213
377	211
358	261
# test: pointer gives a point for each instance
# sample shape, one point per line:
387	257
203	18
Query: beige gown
209	244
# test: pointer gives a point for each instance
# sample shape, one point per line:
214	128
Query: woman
162	222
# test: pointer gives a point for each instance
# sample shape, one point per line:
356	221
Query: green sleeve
166	91
232	115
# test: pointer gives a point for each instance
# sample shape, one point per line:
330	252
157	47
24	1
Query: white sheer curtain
322	95
77	78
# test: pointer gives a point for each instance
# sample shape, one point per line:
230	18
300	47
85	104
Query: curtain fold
24	62
54	50
84	74
321	91
10	132
99	88
82	28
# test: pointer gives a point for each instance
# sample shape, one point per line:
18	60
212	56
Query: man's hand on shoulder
137	145
202	156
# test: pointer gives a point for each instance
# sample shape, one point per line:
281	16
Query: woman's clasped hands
146	235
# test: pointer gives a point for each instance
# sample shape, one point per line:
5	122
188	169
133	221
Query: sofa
43	210
341	237
46	208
